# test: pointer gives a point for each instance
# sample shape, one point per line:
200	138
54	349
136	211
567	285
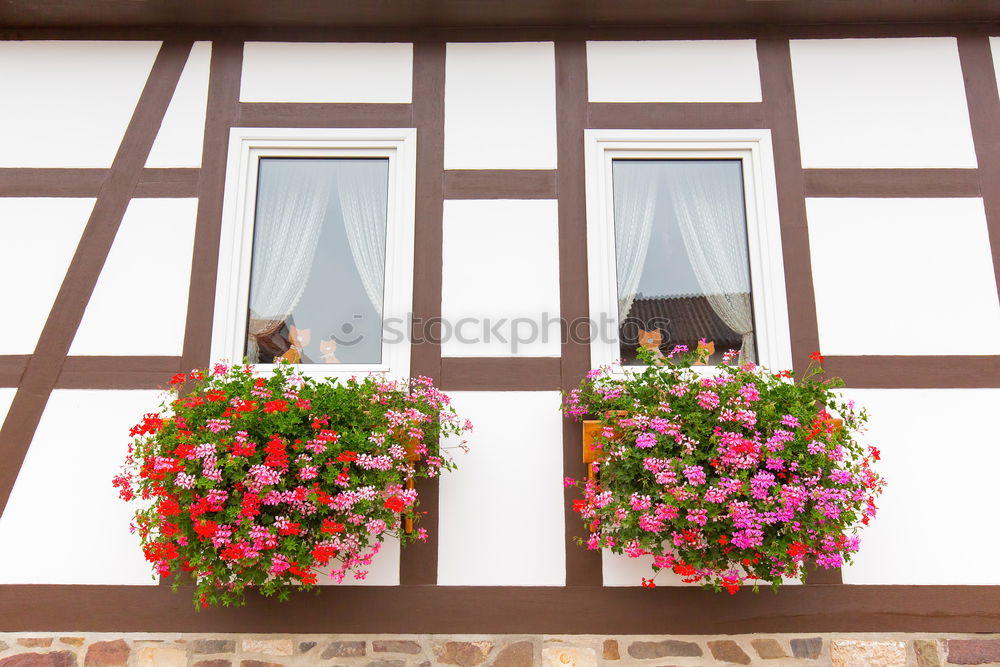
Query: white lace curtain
291	205
293	199
635	204
361	186
709	206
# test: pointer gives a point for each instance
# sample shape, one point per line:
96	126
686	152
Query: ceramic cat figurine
328	350
652	340
706	348
298	338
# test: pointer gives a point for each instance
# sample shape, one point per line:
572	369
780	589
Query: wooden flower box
592	429
412	455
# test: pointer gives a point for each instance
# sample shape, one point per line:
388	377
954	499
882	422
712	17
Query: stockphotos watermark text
513	332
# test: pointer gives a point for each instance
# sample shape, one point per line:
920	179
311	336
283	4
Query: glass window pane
682	256
318	267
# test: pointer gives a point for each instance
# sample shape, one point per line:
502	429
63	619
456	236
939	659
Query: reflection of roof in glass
684	319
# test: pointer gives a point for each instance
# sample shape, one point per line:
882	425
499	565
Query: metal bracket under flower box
592	451
412	455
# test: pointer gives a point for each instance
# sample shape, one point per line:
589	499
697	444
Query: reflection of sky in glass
668	271
334	305
668	295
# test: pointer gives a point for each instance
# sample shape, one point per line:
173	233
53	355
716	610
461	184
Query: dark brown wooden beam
511	610
268	114
500	184
981	96
674	115
117	372
223	100
500	373
347	18
583	568
891	182
915	372
12	368
29	182
163	182
779	107
419	566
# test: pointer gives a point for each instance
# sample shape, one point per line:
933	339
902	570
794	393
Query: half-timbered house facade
859	143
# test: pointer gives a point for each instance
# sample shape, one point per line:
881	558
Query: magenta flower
747	463
708	400
695	475
645	440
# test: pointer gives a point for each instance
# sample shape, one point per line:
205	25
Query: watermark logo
512	334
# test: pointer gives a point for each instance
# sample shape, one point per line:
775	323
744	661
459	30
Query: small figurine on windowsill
706	348
328	351
298	338
652	340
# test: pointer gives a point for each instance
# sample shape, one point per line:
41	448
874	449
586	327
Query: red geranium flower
240	498
797	550
169	507
323	554
151	423
332	527
205	529
290	528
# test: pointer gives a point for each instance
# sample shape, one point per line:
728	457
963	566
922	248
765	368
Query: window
317	250
684	244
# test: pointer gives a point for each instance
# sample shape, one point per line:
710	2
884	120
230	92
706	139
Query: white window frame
753	148
246	147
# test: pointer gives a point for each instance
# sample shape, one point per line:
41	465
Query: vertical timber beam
418	564
223	109
984	116
583	568
778	92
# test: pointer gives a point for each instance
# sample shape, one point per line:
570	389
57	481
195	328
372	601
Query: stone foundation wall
176	650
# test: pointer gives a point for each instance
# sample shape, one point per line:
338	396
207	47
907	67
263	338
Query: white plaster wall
885	102
40	236
67	103
903	276
501	260
178	142
327	72
673	71
384	570
139	306
6	398
620	570
64	522
501	516
500	106
937	517
995	50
